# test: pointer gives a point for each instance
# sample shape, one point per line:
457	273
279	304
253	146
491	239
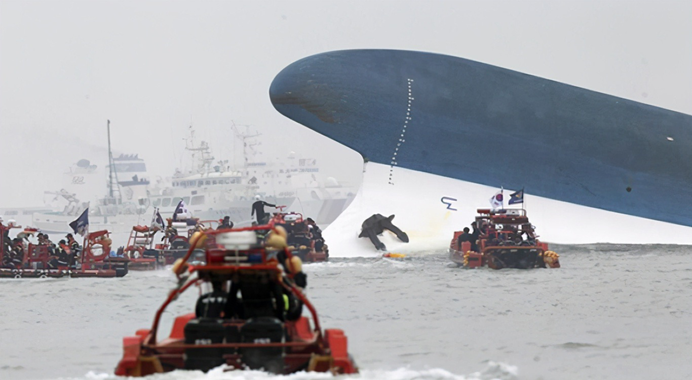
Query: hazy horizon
155	68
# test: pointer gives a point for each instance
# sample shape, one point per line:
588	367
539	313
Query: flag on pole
157	220
81	224
180	211
516	197
496	200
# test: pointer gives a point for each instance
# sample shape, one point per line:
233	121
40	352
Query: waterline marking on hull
403	130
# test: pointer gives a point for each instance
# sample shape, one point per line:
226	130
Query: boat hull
485	125
430	208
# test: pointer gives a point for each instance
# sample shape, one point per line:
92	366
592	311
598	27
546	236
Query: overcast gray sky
155	67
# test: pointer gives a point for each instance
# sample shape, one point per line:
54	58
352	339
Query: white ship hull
416	200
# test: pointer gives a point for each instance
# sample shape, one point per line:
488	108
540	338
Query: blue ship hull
488	125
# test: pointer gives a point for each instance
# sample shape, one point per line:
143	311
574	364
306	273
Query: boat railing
216	249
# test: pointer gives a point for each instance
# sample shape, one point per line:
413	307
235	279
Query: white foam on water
493	371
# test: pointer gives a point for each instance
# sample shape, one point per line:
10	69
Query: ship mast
243	137
111	166
205	158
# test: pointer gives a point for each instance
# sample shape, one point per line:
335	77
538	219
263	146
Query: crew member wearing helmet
258	208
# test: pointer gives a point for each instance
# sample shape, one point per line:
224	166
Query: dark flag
181	209
81	224
516	197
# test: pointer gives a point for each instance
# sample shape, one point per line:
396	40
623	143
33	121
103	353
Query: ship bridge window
166	202
157	202
208	182
130	167
197	200
200	183
186	200
214	182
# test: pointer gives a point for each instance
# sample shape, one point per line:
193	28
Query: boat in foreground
262	329
505	239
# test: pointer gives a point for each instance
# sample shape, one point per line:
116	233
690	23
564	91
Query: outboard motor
204	331
263	330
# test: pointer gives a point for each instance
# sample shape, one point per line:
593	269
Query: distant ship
440	135
123	203
212	189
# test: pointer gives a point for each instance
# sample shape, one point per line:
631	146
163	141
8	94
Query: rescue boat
301	243
32	260
251	332
506	239
140	249
176	240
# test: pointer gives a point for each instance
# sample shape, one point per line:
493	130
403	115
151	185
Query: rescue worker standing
474	236
316	233
258	208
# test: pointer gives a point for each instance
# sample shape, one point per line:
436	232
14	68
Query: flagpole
502	192
523	204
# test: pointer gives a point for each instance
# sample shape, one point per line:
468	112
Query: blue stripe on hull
493	126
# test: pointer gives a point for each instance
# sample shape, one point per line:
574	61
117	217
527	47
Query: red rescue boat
140	249
29	260
304	240
503	239
250	332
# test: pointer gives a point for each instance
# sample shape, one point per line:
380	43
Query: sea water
610	312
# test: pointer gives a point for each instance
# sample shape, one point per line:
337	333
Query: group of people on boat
299	234
63	254
507	235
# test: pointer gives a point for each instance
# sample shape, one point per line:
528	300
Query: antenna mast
111	168
110	162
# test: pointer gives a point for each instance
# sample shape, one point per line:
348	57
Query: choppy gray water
610	312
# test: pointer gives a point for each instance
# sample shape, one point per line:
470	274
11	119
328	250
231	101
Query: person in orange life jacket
75	249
